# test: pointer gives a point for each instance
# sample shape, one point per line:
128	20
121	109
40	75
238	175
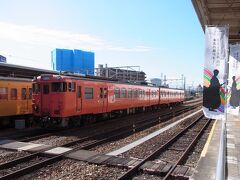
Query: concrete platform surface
233	148
206	168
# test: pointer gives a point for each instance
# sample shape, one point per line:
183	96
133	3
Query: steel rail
134	170
191	145
138	127
61	130
108	136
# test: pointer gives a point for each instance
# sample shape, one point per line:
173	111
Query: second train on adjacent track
63	100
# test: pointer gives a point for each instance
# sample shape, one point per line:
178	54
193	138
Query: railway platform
207	166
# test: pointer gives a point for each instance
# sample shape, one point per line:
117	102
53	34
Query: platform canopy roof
220	12
12	70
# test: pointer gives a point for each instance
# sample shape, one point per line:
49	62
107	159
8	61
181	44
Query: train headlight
36	108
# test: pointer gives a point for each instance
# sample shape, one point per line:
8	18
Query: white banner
233	96
216	55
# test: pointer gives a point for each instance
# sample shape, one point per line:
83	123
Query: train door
103	99
24	102
45	98
27	95
79	99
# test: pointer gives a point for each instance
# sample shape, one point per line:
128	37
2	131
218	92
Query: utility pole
184	82
165	80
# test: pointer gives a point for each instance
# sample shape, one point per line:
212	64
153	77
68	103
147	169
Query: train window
36	87
129	93
24	93
140	93
79	92
105	92
123	93
117	93
135	93
74	87
45	89
30	93
59	87
13	93
88	93
71	86
101	93
3	93
147	93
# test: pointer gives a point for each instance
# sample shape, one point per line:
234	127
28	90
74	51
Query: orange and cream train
15	98
61	100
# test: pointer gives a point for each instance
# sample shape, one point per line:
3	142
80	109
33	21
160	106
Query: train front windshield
59	87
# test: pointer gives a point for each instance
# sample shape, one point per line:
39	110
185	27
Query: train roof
12	70
105	80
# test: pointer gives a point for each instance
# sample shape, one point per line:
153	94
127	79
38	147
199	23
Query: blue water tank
77	61
88	63
62	60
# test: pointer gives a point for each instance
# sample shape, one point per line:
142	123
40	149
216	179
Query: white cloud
52	38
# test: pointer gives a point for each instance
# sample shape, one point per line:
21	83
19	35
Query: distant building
76	61
156	81
123	74
3	59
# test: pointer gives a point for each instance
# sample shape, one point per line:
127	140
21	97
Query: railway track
182	142
35	134
22	166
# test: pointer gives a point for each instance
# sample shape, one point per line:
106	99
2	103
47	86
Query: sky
161	36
